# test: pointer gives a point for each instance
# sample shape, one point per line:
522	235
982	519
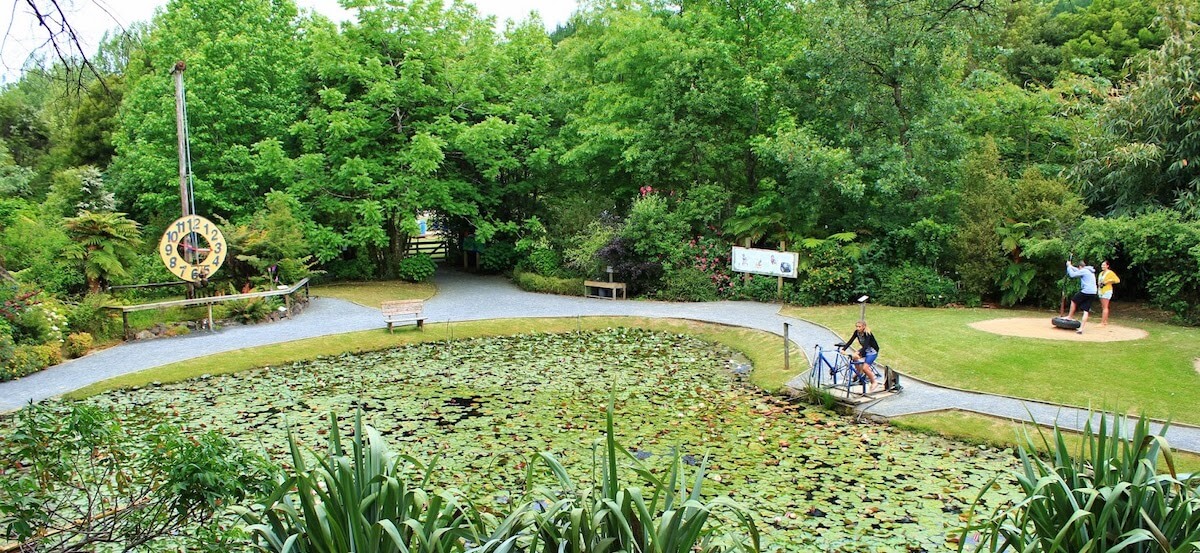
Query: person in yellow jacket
1107	279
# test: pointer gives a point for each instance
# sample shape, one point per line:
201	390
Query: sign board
764	262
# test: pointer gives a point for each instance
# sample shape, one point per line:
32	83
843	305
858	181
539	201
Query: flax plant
362	500
1107	497
615	517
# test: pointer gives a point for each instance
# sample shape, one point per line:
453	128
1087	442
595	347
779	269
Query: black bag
891	380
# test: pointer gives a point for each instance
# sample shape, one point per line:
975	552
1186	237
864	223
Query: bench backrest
402	307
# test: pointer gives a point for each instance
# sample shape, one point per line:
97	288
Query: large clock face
192	248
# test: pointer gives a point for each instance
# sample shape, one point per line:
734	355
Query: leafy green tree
79	189
104	244
1142	157
408	116
986	197
242	87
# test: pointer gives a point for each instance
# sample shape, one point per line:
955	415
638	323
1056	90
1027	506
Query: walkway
464	297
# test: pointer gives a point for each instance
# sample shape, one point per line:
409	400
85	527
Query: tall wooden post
181	132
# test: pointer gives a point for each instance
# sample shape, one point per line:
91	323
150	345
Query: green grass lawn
372	294
1154	375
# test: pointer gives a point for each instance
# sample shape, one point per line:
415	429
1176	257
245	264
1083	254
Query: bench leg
389	327
420	324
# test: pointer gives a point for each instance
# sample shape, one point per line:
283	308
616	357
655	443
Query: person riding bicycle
865	355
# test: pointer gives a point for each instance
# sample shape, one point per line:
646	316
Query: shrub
36	325
640	275
77	344
1109	496
915	286
652	230
687	284
543	261
91	317
827	275
78	481
582	255
498	256
254	310
757	288
418	267
533	282
28	359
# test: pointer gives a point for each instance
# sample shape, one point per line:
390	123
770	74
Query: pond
815	481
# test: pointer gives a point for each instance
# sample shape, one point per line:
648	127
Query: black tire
1063	322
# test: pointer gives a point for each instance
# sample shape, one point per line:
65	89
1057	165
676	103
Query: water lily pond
815	481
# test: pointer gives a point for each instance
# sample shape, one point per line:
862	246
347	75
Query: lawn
371	294
1154	375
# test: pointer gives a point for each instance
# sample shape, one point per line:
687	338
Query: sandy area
1029	327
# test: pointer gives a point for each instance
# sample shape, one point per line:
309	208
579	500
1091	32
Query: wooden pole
779	285
181	133
787	351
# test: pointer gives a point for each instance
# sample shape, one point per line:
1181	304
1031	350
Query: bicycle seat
840	345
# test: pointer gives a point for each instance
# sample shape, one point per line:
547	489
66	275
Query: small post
787	350
862	313
211	327
124	324
287	302
779	285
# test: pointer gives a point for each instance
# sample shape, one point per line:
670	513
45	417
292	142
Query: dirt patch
1196	364
1029	327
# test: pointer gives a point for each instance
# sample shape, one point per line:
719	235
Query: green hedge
532	282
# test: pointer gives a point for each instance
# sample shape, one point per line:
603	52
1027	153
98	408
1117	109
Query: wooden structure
403	311
594	289
286	292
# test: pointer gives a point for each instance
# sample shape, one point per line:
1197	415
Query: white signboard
764	262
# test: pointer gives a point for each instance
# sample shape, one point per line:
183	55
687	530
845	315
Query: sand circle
1040	327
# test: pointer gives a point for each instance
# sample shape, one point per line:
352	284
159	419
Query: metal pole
787	353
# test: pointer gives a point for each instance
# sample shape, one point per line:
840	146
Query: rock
144	335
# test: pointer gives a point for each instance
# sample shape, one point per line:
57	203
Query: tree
104	243
407	115
242	61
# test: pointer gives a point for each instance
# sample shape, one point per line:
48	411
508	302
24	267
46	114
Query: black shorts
1083	302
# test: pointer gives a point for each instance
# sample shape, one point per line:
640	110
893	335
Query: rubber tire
1063	322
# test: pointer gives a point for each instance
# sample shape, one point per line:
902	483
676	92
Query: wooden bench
403	311
593	288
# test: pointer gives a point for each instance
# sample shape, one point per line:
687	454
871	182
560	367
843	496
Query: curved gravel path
464	297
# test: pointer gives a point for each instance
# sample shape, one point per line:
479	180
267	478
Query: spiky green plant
1108	497
614	517
366	499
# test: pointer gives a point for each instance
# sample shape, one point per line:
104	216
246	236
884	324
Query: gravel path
464	297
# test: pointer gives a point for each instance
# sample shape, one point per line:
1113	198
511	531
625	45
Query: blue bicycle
833	369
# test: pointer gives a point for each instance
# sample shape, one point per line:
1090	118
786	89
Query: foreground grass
371	294
1152	375
1003	433
762	349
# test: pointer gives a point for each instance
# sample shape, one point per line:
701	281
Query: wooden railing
209	301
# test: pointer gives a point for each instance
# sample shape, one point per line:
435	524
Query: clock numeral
172	262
